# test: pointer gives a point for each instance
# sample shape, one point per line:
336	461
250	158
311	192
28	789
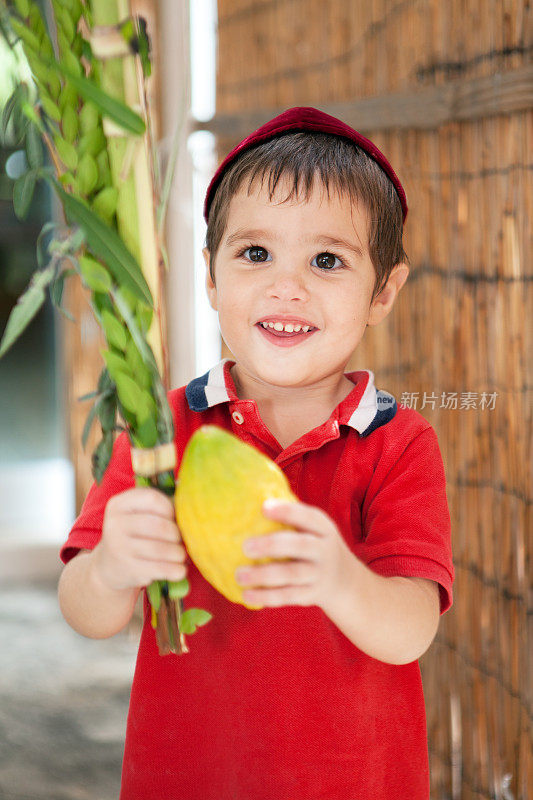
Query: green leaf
45	78
106	408
144	318
102	302
129	318
137	365
67	152
26	308
193	617
34	148
19	120
177	589
40	246
83	48
28	111
94	275
92	142
102	456
23	32
146	434
64	18
87	14
134	33
129	394
167	483
91	416
104	171
89	118
115	332
23	190
165	422
69	123
130	299
108	106
50	109
146	408
70	64
115	364
105	383
67	179
154	595
87	174
107	245
7	112
88	396
23	7
68	98
56	292
105	203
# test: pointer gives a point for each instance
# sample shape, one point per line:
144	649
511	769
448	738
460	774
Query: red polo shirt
277	704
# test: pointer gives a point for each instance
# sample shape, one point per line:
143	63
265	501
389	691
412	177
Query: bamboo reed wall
456	342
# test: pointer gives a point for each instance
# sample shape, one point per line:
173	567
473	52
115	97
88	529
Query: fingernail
249	548
273	502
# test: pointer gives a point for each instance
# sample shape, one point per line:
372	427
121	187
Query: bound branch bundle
92	116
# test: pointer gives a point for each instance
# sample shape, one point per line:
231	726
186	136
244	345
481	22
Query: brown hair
338	163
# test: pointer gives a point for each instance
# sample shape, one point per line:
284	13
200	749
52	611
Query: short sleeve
406	520
87	529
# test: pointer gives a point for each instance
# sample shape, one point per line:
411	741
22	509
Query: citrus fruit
222	484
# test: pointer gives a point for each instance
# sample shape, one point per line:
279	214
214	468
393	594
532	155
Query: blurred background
445	90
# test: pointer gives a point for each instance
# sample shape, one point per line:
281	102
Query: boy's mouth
284	333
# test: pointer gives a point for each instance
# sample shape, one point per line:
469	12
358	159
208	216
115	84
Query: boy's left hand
318	565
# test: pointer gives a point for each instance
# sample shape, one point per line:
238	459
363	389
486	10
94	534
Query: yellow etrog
222	484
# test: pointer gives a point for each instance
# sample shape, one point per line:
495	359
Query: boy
317	694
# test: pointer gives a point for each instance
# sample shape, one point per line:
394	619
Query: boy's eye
327	261
256	253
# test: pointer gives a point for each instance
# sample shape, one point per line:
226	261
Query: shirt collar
374	408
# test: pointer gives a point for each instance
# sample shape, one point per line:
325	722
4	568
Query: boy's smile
286	331
293	285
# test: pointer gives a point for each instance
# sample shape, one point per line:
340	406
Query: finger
162	571
150	550
282	596
143	500
283	544
294	573
299	515
150	526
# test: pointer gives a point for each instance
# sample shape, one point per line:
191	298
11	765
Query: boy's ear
383	303
209	285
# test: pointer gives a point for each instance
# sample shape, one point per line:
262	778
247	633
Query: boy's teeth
289	327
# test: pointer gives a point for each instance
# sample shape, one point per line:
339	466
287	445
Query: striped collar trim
375	408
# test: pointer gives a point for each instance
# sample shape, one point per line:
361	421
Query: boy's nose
288	286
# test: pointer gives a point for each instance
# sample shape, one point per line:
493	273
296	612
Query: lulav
95	143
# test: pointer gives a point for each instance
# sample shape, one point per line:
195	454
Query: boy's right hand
140	541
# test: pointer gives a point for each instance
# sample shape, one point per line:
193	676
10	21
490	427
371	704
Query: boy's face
298	263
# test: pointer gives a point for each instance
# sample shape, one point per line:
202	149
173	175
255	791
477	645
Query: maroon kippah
305	118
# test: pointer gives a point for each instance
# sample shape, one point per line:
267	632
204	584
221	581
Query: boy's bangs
302	180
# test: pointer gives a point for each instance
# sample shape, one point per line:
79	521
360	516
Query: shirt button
238	417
